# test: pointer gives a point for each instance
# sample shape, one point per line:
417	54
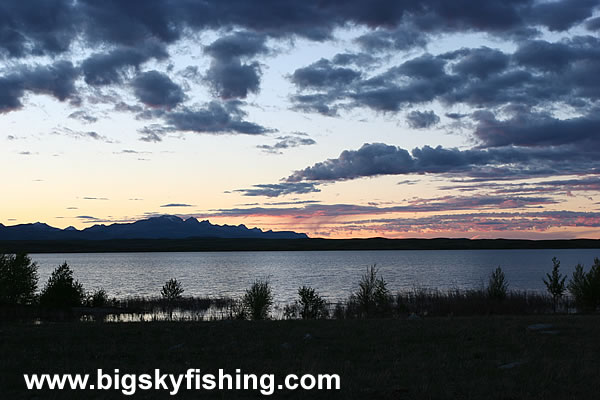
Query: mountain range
163	227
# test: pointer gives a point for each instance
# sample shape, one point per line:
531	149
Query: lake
334	274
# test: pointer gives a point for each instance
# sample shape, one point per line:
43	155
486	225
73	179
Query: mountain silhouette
163	227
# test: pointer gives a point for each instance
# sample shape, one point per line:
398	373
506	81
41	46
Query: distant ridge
163	227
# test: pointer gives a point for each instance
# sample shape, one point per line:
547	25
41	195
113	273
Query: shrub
497	287
309	306
372	297
98	298
172	290
62	290
258	300
585	287
312	306
18	279
555	284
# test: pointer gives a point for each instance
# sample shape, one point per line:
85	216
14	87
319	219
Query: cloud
215	117
593	24
228	76
537	74
57	80
537	129
233	79
81	134
83	116
102	69
153	133
177	205
156	89
422	119
280	189
286	142
323	73
23	32
87	217
401	38
482	222
447	203
511	162
555	187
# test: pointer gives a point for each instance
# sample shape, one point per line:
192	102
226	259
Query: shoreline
317	244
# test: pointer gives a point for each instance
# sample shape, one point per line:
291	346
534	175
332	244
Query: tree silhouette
18	279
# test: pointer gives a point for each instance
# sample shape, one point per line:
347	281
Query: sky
346	119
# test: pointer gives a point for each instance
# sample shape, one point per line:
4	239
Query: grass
428	358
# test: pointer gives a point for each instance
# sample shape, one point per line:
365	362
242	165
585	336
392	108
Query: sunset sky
390	118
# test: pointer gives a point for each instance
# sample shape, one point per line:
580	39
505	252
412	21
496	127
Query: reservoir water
334	274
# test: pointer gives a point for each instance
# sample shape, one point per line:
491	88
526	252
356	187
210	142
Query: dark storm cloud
323	73
230	79
228	75
539	73
402	38
358	59
537	129
280	189
50	27
216	117
108	68
481	62
381	159
422	119
593	24
562	14
156	89
239	44
46	28
57	80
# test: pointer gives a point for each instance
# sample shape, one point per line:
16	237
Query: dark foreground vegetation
497	357
215	244
490	343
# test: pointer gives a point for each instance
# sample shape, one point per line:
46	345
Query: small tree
585	287
497	287
62	290
172	290
18	279
555	283
577	286
258	300
312	306
372	295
